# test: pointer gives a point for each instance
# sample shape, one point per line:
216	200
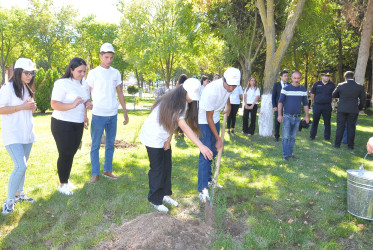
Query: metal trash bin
360	192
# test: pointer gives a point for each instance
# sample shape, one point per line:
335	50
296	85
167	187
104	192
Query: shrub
43	88
132	90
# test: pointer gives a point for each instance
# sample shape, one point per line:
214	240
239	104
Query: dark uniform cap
325	72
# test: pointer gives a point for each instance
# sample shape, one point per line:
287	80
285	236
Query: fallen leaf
305	222
311	202
362	226
297	201
290	221
297	209
291	194
317	193
351	237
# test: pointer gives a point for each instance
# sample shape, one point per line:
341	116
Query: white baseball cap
192	87
232	76
107	47
25	64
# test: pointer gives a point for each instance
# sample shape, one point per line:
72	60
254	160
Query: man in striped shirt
291	99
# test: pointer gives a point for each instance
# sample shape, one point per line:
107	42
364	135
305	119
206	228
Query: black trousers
277	126
68	136
326	111
231	121
159	174
249	129
341	123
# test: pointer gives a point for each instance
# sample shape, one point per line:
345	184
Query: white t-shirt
66	90
235	96
214	98
104	83
251	94
17	127
152	133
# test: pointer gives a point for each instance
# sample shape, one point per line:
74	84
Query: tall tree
12	36
237	22
50	31
274	54
366	37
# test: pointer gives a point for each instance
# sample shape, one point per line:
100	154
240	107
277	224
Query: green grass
302	203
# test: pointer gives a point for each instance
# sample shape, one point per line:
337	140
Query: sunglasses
29	73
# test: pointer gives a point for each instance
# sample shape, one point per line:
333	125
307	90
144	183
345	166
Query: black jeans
277	126
159	174
68	136
231	121
326	111
249	129
341	123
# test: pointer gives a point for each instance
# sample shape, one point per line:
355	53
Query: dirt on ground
160	231
120	144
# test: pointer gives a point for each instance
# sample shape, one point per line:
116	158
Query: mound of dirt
120	144
160	231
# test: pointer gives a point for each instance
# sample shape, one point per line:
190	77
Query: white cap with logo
25	64
232	76
192	87
107	47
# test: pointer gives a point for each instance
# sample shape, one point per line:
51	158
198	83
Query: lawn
301	203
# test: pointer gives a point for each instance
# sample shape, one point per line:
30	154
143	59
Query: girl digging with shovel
176	108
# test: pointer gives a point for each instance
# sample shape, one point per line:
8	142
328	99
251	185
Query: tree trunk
366	37
274	56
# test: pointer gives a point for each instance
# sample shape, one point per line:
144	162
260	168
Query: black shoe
285	158
337	146
312	138
232	132
277	138
229	132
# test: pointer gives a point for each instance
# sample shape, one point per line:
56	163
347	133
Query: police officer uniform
322	106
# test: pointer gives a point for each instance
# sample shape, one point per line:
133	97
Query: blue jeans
204	166
99	124
19	154
290	126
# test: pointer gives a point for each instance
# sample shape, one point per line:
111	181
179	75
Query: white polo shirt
66	90
17	127
214	98
152	133
251	94
104	83
235	96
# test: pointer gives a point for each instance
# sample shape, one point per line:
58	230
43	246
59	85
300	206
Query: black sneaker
285	158
23	197
8	207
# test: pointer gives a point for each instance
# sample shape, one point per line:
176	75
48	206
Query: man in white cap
105	83
214	98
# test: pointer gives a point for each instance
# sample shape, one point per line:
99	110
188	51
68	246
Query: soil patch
160	231
121	144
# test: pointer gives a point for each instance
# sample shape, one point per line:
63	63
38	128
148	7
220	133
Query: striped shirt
292	97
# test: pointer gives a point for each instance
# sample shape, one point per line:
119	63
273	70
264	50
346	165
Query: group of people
193	106
70	100
288	99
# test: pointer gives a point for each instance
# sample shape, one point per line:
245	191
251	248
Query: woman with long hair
251	98
176	108
16	107
70	100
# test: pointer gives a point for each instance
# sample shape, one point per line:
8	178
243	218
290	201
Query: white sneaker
204	195
72	186
65	189
170	201
8	206
217	185
160	208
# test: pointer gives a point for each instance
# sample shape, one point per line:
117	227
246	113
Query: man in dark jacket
321	95
276	91
349	94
